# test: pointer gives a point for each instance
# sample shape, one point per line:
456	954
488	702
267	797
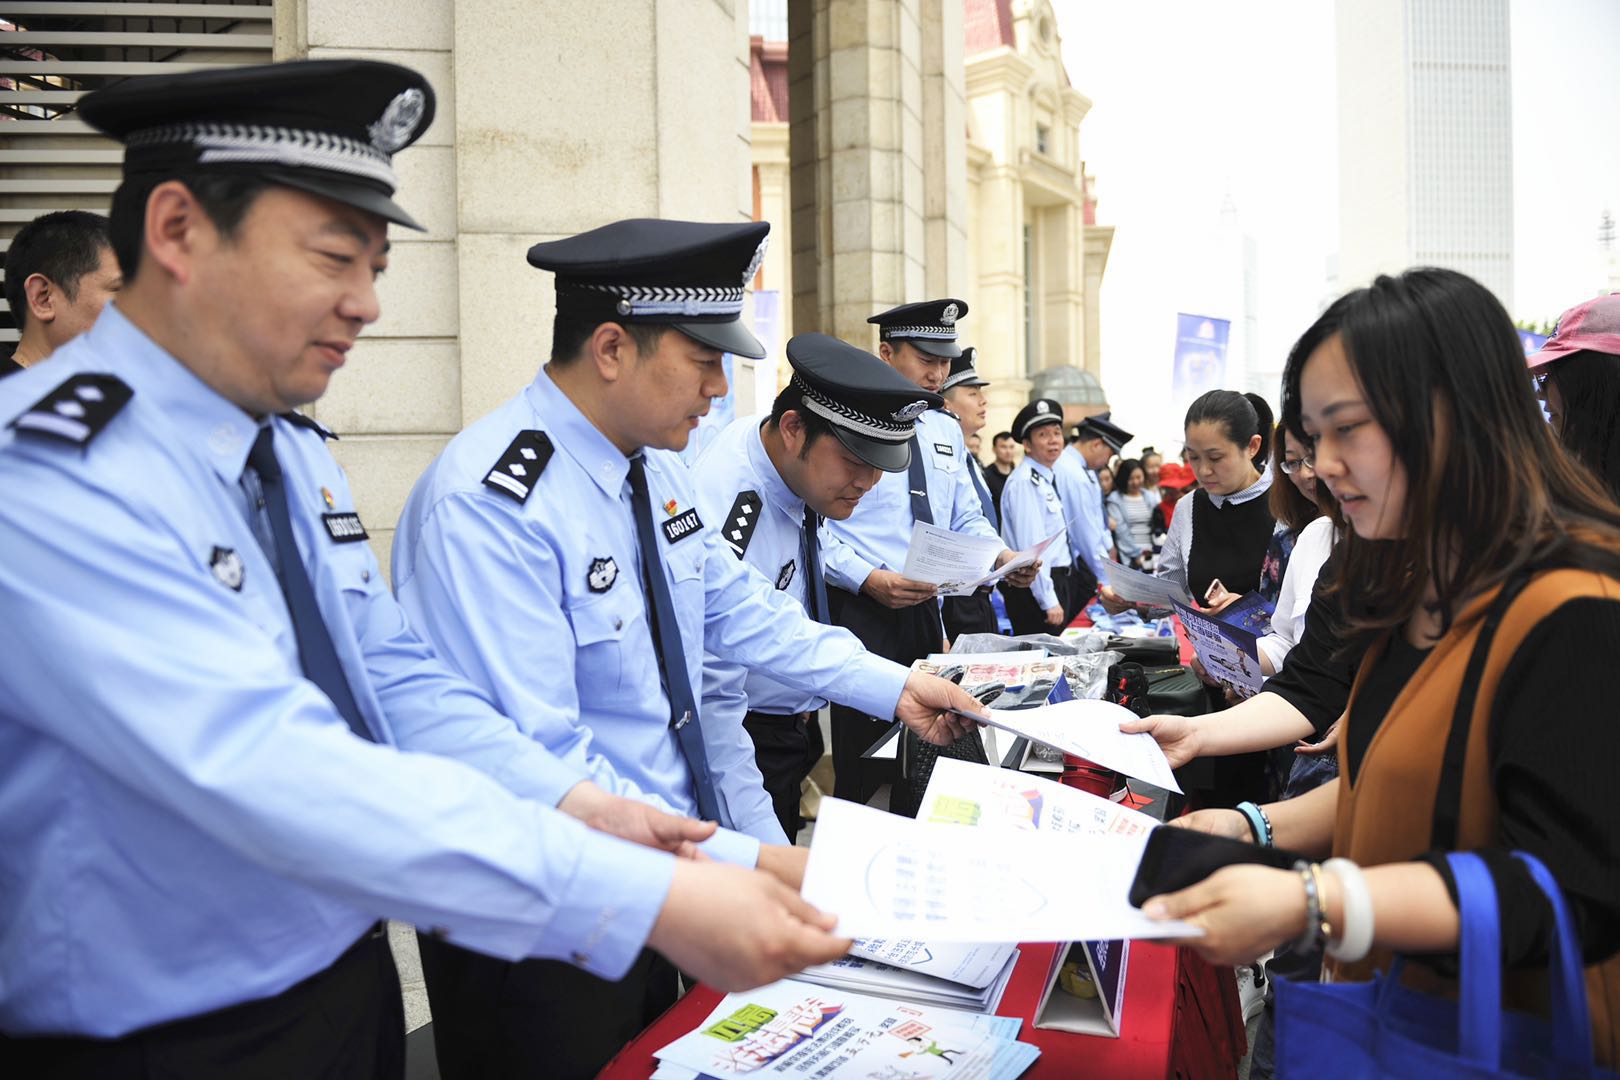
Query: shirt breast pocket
604	629
687	593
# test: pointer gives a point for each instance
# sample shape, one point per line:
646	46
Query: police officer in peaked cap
768	482
963	390
1094	442
228	756
600	583
895	616
1031	511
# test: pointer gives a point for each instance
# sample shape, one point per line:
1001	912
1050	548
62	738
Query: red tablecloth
1181	1019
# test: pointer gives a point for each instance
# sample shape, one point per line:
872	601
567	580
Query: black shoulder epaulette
520	466
305	422
739	525
952	415
76	410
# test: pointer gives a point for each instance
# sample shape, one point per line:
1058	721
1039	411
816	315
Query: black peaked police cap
873	409
328	127
687	274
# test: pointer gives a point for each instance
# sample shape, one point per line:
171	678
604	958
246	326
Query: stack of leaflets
793	1029
949	974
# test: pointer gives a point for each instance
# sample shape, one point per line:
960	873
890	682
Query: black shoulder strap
520	466
738	528
1448	795
303	421
77	410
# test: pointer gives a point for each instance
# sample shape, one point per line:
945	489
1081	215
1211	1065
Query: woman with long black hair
1465	516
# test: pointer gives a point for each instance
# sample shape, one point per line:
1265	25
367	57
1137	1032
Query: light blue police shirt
540	601
186	822
1089	536
877	534
735	462
1030	512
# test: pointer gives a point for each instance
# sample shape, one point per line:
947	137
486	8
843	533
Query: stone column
860	143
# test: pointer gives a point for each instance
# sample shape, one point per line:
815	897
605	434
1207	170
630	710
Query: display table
1181	1019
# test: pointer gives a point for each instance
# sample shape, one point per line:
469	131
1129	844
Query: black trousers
494	1019
343	1023
968	615
786	748
901	635
1026	614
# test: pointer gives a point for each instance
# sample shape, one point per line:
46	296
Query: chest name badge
602	574
344	528
942	448
681	526
784	576
227	567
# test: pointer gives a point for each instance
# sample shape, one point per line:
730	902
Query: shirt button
365	575
580	959
618	624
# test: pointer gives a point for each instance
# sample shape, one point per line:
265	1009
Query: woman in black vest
1225	536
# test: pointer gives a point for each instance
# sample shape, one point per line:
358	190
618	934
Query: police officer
554	553
227	754
1031	511
1095	440
963	391
893	615
844	419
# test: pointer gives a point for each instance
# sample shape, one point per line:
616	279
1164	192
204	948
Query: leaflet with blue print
791	1029
1229	653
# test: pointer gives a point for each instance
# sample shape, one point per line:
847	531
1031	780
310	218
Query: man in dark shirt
60	271
1001	466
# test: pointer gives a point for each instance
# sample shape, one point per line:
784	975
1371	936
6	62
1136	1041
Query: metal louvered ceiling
51	53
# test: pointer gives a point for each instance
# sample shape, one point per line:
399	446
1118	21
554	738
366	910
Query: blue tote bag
1383	1029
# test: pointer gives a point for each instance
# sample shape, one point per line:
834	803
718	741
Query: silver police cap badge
1041	407
227	567
756	261
910	412
393	129
602	574
948	316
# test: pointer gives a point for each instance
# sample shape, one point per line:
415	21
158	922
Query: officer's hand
1020	577
1112	602
785	864
895	590
635	821
736	929
1179	738
1054	617
927	704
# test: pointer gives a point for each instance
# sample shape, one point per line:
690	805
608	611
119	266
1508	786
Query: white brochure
1140	588
885	875
1090	729
966	793
959	563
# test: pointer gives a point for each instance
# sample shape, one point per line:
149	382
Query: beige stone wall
551	119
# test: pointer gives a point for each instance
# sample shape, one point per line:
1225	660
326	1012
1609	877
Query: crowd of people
565	737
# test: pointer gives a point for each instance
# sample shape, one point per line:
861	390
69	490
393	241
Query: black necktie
815	584
683	710
977	473
919	485
315	651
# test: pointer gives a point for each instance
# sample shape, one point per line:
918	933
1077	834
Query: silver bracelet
1317	929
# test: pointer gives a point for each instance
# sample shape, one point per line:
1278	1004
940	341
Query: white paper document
976	965
959	563
885	875
1140	588
966	793
1090	729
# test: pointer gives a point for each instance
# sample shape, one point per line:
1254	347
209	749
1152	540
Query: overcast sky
1195	100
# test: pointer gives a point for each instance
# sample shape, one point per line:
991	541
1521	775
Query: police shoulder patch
520	466
77	410
298	419
738	528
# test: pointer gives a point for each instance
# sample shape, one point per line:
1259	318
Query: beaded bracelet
1317	929
1259	824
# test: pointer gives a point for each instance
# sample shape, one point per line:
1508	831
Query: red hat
1173	474
1594	325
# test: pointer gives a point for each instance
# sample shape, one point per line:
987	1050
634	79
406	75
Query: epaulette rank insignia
738	527
300	420
78	409
520	466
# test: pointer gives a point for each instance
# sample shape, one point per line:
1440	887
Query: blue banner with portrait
1200	364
